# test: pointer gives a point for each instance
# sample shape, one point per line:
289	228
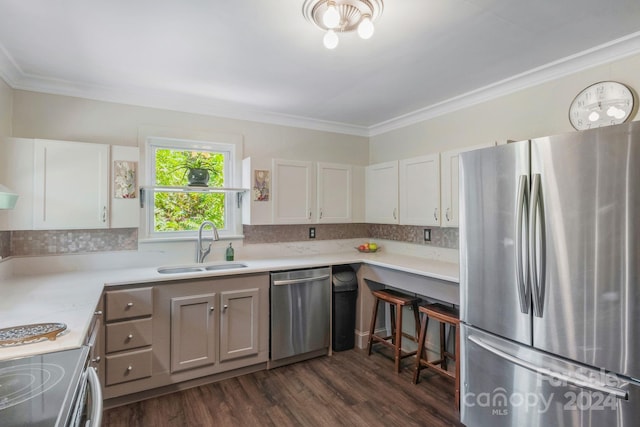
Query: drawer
129	303
128	335
128	366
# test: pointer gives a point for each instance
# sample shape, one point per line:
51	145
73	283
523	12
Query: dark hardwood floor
346	389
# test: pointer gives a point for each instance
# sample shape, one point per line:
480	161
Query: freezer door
589	286
507	384
493	275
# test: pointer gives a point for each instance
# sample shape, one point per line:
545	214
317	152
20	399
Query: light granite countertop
71	297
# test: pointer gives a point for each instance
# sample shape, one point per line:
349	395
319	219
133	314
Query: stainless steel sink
225	266
176	270
215	267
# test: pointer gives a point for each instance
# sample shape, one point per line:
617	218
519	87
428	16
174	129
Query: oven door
87	411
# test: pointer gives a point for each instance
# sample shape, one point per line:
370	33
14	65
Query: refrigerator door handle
578	382
522	273
535	245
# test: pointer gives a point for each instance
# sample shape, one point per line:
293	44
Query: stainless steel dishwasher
300	314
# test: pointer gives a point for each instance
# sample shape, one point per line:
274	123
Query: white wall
536	111
38	115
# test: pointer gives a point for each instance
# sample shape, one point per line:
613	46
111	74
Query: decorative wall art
261	185
124	179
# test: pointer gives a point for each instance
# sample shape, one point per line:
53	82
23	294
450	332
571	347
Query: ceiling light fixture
341	16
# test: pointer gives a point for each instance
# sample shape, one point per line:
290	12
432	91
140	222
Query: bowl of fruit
368	248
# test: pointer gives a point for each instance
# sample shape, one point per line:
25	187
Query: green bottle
229	253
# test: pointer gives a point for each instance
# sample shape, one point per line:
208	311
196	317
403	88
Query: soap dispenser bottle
229	253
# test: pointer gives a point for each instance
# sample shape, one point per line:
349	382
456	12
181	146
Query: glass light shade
8	198
330	40
331	17
365	28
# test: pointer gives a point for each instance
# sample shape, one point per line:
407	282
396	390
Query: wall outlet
312	232
427	234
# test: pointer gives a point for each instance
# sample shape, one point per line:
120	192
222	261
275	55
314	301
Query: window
176	211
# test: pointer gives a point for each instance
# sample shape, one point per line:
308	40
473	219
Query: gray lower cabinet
239	317
195	330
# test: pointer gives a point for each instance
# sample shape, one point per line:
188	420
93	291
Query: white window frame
232	212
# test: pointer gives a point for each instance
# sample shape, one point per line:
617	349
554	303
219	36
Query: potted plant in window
197	166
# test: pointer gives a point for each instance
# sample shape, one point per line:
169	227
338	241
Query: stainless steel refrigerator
550	281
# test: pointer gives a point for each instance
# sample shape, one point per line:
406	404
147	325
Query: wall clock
601	104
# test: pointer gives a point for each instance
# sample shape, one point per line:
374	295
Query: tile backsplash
49	242
440	237
5	244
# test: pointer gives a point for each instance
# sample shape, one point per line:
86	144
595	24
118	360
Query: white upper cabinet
293	192
70	185
420	190
381	184
334	193
449	196
16	172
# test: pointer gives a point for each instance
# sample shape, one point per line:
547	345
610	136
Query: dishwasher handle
296	281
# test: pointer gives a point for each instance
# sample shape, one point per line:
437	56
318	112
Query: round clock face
601	104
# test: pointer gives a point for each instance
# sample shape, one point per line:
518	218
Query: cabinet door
193	334
70	185
449	196
334	192
449	187
382	193
420	190
292	192
238	323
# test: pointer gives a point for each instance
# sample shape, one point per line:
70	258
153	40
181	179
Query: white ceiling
261	60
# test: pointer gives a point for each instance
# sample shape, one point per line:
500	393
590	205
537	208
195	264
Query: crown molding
602	54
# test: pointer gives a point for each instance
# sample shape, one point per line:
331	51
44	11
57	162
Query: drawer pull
130	336
96	360
98	313
225	307
129	368
129	304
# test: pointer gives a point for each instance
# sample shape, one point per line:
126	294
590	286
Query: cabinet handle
96	360
224	307
435	214
104	214
129	368
320	213
211	308
309	214
394	213
98	313
130	336
129	304
446	215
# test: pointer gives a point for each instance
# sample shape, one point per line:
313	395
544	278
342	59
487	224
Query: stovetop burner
39	390
23	382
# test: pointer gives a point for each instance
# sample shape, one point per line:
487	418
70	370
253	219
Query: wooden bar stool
396	301
444	315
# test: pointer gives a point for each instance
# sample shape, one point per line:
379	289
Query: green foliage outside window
186	211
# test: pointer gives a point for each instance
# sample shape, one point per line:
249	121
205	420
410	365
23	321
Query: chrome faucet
203	252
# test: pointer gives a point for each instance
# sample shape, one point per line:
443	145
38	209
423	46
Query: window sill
186	239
